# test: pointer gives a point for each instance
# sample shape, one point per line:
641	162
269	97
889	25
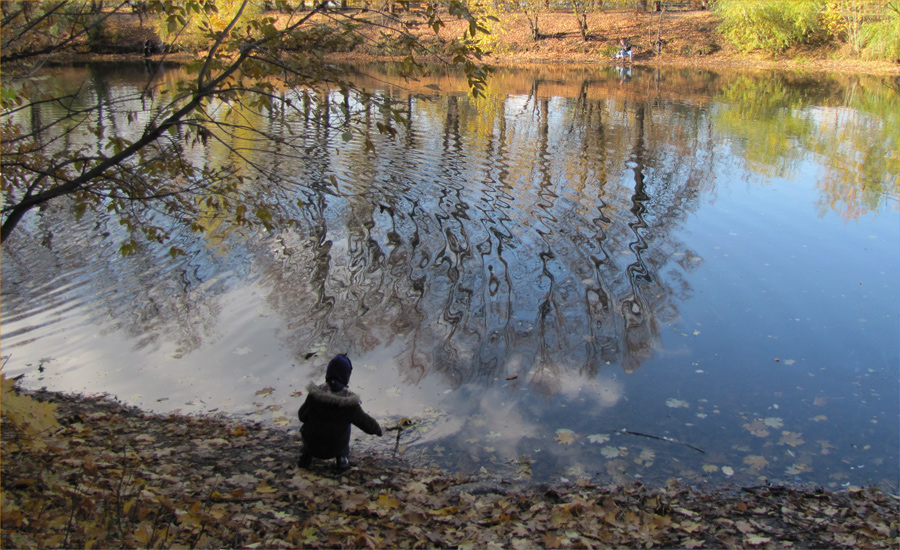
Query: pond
541	279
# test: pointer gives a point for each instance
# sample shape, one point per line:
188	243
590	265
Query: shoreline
115	475
712	63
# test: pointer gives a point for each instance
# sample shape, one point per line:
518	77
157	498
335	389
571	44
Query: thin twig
663	438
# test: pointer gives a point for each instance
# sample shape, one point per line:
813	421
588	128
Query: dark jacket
326	418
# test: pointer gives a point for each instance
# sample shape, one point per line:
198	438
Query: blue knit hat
337	376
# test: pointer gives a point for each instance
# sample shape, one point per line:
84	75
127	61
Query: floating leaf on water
819	418
676	403
710	468
820	401
265	392
610	452
728	471
757	428
793	439
565	436
826	446
756	462
773	422
795	469
598	438
648	455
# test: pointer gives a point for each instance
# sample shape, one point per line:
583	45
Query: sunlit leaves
33	420
253	58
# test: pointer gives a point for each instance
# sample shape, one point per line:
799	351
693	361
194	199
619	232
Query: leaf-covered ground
113	476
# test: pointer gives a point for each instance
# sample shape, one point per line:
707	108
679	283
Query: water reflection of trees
853	129
523	236
528	233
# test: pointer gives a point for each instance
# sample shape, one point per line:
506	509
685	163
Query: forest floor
113	476
691	40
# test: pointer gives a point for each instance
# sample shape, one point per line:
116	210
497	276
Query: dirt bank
113	476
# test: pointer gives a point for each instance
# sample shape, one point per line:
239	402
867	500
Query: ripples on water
526	274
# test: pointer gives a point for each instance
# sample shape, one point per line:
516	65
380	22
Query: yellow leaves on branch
33	420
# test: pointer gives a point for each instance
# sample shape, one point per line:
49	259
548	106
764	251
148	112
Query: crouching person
327	414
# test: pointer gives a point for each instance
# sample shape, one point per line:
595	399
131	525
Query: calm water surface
709	258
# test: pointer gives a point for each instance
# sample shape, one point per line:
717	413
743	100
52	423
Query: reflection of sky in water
521	311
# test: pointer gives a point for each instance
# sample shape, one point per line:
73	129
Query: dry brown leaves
115	477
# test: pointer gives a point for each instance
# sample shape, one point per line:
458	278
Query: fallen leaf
743	526
728	471
819	418
281	421
826	447
565	436
265	391
387	502
756	462
710	468
757	428
609	451
264	488
773	422
791	438
598	438
676	403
